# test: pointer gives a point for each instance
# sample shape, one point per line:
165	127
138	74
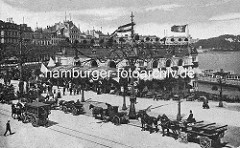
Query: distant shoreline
209	51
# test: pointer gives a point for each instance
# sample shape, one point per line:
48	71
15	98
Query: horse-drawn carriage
110	113
75	108
37	113
206	134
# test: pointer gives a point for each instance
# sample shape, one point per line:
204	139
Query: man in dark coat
8	128
190	117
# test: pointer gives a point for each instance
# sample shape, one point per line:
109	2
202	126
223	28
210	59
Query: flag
178	28
124	28
127	25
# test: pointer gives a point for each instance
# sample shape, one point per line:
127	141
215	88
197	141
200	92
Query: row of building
10	33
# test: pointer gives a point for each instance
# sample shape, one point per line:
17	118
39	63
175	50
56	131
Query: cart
207	134
37	113
71	107
117	117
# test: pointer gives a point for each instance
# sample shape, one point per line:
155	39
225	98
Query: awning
43	68
51	63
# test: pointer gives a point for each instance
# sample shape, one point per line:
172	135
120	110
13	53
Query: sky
205	18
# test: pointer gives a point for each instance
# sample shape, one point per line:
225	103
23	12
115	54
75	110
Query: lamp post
180	94
179	109
179	101
21	82
123	82
220	78
132	111
124	99
83	99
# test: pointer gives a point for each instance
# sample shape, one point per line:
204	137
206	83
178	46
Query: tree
92	41
84	41
157	39
121	39
64	43
37	72
110	41
214	88
101	41
136	37
147	39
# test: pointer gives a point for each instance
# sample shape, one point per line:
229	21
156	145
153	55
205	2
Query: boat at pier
210	77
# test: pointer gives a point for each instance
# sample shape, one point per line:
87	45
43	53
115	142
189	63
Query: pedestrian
190	118
205	103
74	90
8	128
64	89
70	89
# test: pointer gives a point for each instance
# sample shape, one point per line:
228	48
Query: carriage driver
190	117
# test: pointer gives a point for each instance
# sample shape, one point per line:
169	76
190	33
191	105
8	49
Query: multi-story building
26	33
9	32
41	37
74	32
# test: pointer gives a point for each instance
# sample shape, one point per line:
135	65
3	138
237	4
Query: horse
147	121
168	124
96	111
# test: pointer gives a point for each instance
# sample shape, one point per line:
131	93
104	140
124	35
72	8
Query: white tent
51	63
43	68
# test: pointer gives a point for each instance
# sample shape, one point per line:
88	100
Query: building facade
9	32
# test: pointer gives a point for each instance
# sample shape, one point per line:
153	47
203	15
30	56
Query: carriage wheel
205	142
74	111
116	120
64	108
183	137
24	119
14	116
46	124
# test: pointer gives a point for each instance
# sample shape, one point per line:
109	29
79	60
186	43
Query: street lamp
179	109
83	99
221	80
123	82
132	111
21	82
